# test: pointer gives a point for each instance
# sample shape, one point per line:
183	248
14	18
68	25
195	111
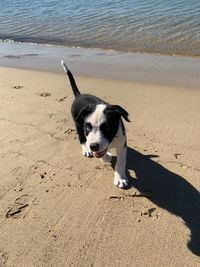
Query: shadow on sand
168	191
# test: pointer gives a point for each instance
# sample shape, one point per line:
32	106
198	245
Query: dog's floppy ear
122	112
84	112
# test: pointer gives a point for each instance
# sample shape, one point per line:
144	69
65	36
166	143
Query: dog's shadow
168	191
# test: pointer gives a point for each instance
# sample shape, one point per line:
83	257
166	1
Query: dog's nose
94	146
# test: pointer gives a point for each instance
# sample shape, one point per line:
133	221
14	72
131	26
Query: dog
100	127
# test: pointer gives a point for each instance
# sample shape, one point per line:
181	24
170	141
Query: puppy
100	127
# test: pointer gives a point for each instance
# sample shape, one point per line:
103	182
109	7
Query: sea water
152	26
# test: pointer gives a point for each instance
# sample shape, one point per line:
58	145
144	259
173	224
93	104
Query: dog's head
101	123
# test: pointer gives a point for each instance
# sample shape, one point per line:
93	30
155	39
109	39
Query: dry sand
58	208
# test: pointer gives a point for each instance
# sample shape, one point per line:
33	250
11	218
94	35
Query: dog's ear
84	112
119	110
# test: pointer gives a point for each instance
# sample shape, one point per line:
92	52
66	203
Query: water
154	26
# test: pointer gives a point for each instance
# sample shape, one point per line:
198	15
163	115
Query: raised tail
71	78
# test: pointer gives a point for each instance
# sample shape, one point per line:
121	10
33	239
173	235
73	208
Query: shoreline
103	49
145	68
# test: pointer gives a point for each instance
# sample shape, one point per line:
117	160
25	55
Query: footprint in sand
61	99
51	115
64	121
70	131
45	94
20	207
3	258
17	87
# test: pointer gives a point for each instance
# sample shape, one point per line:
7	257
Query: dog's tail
71	78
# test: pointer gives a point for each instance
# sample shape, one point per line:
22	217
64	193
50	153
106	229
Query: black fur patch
110	126
82	106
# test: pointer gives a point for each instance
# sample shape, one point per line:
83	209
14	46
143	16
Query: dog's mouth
99	154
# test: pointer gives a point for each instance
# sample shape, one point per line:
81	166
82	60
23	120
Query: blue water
154	26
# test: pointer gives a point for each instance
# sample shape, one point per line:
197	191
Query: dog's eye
88	127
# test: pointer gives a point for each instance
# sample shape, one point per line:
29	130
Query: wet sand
177	71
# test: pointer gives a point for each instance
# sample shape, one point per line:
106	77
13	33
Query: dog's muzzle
99	154
95	150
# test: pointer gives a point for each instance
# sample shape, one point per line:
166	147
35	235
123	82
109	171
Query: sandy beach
58	208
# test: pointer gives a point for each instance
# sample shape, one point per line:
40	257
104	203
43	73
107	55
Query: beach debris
14	211
17	87
42	175
45	94
149	212
116	197
185	167
176	155
18	207
135	194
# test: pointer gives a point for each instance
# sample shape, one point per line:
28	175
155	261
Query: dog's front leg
81	136
121	179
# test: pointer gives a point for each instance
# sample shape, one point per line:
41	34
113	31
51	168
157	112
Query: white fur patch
95	135
86	151
97	117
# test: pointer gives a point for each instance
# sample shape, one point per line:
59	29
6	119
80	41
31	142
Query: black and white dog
99	126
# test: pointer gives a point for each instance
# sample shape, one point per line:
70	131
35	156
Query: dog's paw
86	151
107	157
121	182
